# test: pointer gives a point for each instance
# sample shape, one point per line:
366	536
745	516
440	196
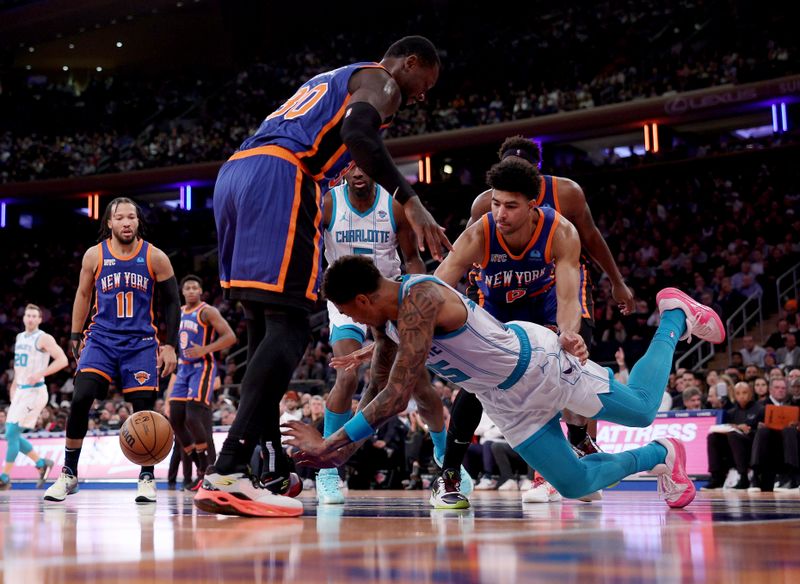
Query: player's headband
518	152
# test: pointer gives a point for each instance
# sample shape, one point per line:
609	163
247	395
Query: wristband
76	336
358	428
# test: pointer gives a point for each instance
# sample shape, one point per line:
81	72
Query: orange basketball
146	438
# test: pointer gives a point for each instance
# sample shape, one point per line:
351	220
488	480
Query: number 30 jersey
124	292
309	123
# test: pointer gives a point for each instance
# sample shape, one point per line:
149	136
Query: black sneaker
714	484
445	493
587	446
288	486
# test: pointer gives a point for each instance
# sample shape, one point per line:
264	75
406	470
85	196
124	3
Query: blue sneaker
467	484
328	491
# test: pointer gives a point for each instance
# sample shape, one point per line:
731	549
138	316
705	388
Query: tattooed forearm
415	324
396	368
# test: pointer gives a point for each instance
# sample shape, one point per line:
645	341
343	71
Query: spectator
692	399
752	354
778	339
789	355
733	448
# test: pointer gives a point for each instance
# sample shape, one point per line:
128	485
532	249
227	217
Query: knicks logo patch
141	377
513	295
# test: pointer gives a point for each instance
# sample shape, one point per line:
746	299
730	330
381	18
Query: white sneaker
242	494
328	490
309	485
485	484
541	492
596	496
509	485
701	320
66	484
146	489
525	484
467	484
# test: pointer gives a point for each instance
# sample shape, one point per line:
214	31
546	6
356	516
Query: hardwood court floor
390	536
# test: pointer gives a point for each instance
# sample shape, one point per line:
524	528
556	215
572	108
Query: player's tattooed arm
416	322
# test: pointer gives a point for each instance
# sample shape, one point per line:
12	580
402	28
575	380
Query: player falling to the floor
33	350
361	217
524	374
120	344
202	332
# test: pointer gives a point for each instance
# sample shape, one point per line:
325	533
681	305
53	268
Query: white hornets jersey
372	233
518	370
28	358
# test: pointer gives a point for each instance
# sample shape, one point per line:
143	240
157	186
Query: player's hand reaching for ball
574	344
167	360
429	233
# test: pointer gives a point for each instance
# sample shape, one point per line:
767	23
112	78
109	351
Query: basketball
146	438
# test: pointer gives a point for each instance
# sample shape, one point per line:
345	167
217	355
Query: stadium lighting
784	120
99	69
119	44
65	68
774	118
186	197
2	215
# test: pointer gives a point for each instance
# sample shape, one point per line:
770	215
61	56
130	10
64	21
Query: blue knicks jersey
310	122
124	292
193	332
505	277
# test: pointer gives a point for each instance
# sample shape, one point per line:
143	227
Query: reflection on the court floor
103	535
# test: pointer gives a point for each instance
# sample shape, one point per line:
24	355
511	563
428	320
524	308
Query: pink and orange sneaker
674	485
701	321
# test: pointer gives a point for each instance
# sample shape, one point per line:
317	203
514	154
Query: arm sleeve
361	134
171	307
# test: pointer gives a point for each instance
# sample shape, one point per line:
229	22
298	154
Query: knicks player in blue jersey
268	210
120	344
524	374
566	197
202	333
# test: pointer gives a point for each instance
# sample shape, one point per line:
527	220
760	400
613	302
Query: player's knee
640	419
571	489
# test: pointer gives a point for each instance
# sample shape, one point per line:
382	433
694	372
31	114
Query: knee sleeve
88	387
465	417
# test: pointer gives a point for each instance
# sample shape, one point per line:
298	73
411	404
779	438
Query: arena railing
787	285
750	310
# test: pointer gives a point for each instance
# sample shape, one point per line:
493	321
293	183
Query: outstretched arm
416	322
375	97
566	250
575	206
468	250
407	241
